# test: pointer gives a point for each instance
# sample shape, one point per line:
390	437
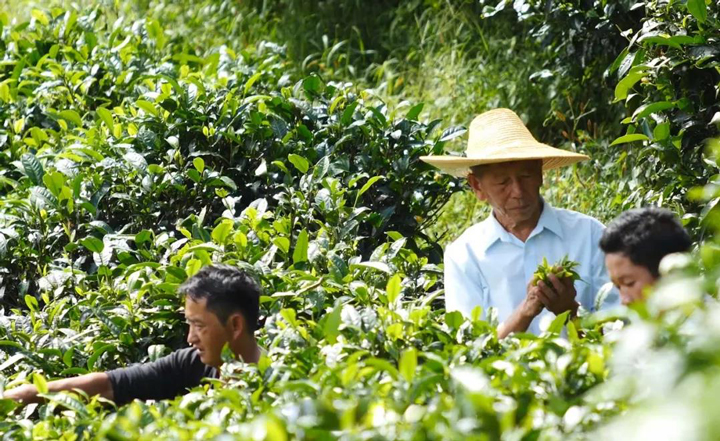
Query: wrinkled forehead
510	168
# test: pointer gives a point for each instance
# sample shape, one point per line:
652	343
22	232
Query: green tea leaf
661	132
299	162
40	383
70	20
300	254
698	9
147	107
312	84
68	357
96	355
379	266
347	117
106	116
558	323
5	92
454	319
545	269
222	231
414	112
54	181
40	16
156	32
630	138
69	402
7	406
252	80
33	168
392	290
366	187
649	109
143	236
93	244
332	324
408	364
452	133
32	303
71	116
199	164
283	243
623	87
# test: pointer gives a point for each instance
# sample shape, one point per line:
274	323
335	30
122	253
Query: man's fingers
540	295
547	291
568	287
559	287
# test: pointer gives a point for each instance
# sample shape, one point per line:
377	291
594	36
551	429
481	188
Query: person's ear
236	325
476	187
540	172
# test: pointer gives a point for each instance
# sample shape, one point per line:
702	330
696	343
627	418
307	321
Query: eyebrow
193	320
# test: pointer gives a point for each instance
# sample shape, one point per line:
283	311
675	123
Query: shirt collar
494	232
548	220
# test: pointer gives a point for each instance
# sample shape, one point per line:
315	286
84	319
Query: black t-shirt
167	377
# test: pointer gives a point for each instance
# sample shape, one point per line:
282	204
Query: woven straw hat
499	135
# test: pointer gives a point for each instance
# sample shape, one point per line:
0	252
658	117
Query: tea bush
143	140
116	141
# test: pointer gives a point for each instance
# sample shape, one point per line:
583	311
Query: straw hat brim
552	158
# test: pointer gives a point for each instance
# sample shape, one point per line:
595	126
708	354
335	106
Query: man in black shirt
221	307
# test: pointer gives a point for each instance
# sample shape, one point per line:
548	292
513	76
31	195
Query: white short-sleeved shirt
489	267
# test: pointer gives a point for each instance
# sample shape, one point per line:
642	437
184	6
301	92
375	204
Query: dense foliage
143	140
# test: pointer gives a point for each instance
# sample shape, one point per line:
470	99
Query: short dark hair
228	290
645	236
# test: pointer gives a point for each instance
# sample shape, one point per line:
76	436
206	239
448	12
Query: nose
191	338
625	297
515	189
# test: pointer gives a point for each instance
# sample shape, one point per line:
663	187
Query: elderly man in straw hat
492	263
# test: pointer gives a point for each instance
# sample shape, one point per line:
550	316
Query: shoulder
188	361
474	235
573	219
184	357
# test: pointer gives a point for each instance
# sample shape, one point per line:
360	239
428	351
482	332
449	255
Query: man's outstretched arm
97	383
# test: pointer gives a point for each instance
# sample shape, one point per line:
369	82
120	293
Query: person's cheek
204	338
212	340
636	292
640	288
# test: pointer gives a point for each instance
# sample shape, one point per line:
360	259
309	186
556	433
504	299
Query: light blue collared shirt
489	267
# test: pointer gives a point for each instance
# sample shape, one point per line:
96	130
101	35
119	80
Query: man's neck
247	350
521	230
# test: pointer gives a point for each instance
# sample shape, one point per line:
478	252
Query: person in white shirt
492	263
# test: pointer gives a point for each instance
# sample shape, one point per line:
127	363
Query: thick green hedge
105	139
143	140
